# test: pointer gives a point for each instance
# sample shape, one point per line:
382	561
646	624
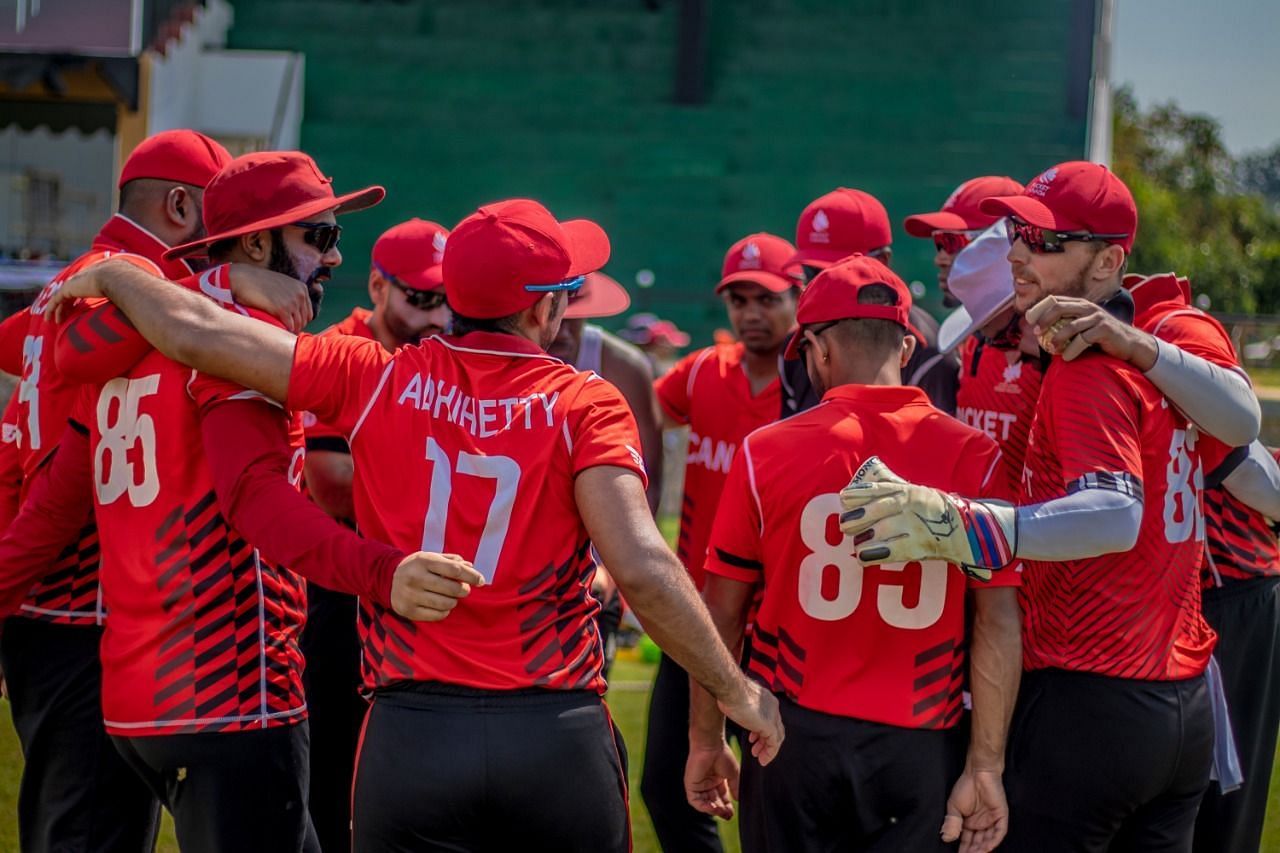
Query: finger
1077	346
458	569
422	579
856	520
432	601
425	614
952	825
875	471
877	551
1070	329
861	494
1040	309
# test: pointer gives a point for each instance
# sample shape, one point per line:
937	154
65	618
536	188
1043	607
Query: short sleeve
734	550
12	332
207	391
981	471
674	393
334	376
602	431
1095	416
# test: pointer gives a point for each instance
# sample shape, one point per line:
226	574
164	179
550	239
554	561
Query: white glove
902	522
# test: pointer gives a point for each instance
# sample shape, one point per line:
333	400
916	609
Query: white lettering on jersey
481	418
995	424
709	453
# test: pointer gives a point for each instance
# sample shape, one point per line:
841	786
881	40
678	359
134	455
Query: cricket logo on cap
750	257
437	244
820	225
951	199
1040	186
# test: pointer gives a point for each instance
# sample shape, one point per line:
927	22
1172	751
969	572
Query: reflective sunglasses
323	235
1043	242
423	300
951	242
804	342
568	284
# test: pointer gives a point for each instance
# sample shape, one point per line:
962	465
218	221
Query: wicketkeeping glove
909	522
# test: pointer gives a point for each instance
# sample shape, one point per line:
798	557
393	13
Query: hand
977	812
711	778
427	586
1070	326
756	710
281	296
83	285
898	522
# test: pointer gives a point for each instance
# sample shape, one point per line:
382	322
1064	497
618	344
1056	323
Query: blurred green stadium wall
452	103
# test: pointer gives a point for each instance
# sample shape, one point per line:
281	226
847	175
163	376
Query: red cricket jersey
70	593
203	634
997	395
709	391
1241	543
1101	424
321	436
471	446
10	465
879	643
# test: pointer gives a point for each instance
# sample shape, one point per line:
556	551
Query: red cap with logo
833	295
1074	196
269	189
181	156
412	252
962	211
496	253
841	223
759	259
599	296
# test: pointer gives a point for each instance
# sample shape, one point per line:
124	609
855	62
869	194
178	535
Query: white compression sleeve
1216	399
1256	482
1088	523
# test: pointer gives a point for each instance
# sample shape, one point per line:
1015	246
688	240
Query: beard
281	262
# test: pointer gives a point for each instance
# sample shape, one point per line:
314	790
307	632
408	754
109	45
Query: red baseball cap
181	156
962	211
759	259
841	223
269	189
599	296
1074	196
667	332
412	252
833	295
497	252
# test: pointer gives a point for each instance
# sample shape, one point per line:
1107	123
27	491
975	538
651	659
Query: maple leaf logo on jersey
1040	186
819	234
437	244
750	257
1013	372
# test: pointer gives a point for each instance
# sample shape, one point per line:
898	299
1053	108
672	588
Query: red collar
877	397
498	343
122	234
1157	294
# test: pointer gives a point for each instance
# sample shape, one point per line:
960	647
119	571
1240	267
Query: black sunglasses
423	300
1043	242
803	343
323	235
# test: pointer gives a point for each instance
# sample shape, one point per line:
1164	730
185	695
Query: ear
377	287
256	245
909	344
179	206
1109	262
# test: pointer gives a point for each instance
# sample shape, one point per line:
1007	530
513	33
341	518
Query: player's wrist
1144	350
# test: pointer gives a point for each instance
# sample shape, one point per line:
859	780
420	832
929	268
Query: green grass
629	703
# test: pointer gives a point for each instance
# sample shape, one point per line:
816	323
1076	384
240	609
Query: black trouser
335	711
76	794
230	792
679	826
1106	764
840	784
443	768
1246	615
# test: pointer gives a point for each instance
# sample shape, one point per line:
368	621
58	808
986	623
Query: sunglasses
951	242
803	343
568	284
1043	242
423	300
323	235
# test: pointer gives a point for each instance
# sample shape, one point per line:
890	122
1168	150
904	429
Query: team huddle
1008	582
